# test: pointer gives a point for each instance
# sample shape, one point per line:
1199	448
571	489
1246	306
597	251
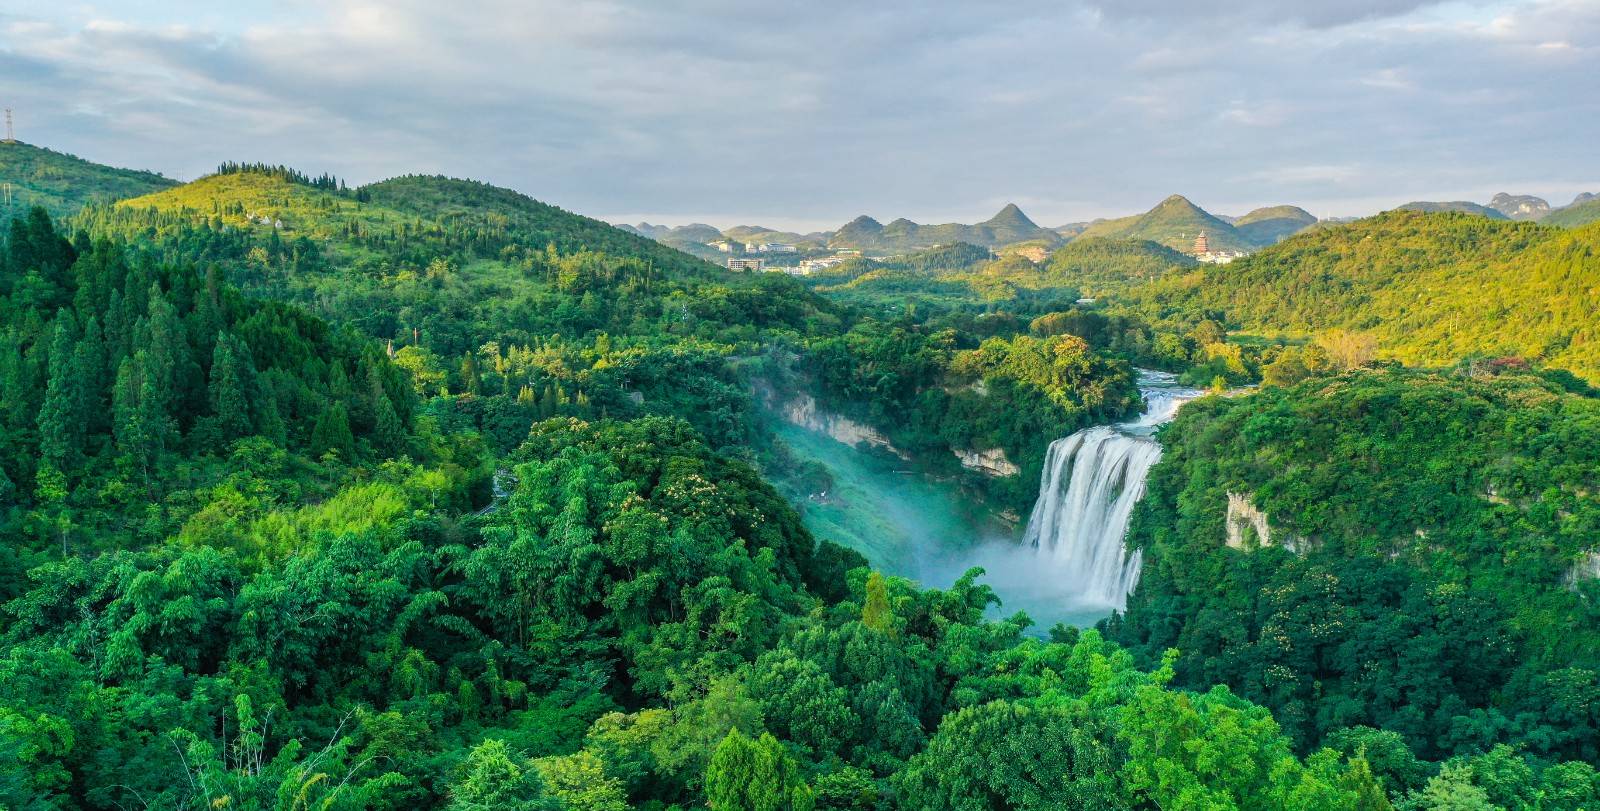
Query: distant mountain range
1585	208
1174	223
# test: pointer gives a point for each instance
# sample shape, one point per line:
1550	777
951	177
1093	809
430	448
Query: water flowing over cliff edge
1069	564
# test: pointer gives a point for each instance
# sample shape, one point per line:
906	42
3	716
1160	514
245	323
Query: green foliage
1431	288
62	184
1421	573
758	775
490	536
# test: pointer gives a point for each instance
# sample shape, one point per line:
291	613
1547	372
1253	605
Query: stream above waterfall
1068	564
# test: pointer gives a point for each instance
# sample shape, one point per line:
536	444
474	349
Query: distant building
810	266
724	245
847	253
777	247
747	264
1219	257
1201	246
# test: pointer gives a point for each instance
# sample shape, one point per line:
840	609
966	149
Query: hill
1579	213
1006	227
442	261
1461	206
62	184
1430	288
1174	222
1268	226
1436	523
1096	266
1520	206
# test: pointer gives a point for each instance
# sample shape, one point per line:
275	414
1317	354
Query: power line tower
11	135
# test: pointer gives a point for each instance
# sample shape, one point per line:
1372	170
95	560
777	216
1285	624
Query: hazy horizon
739	114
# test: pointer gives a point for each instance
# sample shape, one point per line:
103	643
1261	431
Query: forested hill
1386	550
456	203
446	264
1431	288
61	184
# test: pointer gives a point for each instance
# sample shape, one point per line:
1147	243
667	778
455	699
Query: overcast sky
805	114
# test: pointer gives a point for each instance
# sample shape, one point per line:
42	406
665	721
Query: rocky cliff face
1586	568
801	409
992	462
1243	515
1520	206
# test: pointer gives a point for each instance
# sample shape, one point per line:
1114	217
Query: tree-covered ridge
62	184
133	391
1430	288
1096	267
453	264
1574	215
1427	567
960	275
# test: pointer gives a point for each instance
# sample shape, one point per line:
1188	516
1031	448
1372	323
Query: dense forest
1430	288
1425	574
427	495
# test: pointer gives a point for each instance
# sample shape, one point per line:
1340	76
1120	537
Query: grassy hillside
62	184
1431	288
1574	215
1174	222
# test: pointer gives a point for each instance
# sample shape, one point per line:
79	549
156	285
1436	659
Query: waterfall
1090	483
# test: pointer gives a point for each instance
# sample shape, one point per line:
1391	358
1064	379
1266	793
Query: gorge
1067	564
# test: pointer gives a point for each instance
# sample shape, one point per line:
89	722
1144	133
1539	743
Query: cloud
817	112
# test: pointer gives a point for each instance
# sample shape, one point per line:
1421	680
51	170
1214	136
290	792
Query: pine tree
166	349
388	435
133	436
89	367
60	421
332	432
228	394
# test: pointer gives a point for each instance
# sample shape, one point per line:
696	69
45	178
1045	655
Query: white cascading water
1091	481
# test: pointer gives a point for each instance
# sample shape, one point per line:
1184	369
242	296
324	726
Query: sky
804	115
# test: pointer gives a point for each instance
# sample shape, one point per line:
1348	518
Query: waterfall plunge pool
1066	566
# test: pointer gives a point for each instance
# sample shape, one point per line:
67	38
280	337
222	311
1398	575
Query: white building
810	266
746	264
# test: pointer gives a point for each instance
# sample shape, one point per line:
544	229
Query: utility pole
11	135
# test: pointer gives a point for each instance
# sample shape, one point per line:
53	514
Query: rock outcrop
801	409
1244	515
992	462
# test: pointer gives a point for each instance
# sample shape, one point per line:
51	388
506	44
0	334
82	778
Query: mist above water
1071	565
1068	565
